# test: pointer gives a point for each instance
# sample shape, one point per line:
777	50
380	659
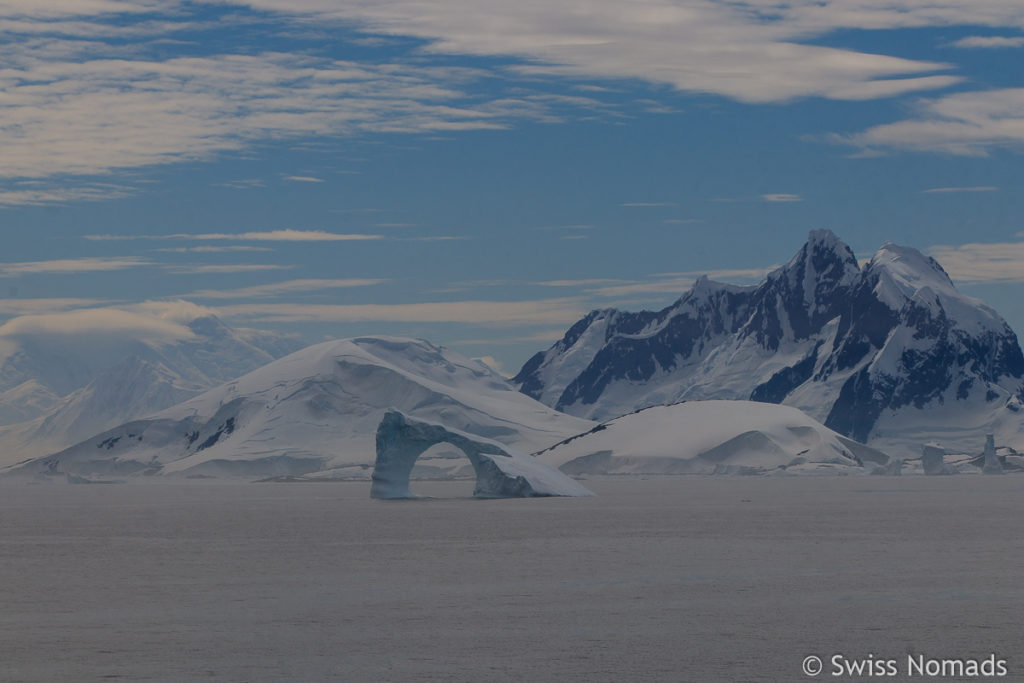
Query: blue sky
480	173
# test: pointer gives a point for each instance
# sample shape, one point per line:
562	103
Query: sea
654	579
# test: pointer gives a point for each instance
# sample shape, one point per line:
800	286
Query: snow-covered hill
319	409
891	354
61	382
709	437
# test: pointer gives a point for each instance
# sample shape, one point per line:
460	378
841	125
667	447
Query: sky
483	173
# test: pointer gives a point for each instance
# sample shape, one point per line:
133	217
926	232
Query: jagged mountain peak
905	270
704	288
861	349
823	264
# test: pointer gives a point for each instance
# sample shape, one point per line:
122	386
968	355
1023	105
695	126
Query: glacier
500	472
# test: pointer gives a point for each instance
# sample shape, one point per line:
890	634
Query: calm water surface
677	579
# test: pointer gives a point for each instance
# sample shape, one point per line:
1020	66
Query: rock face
500	472
889	354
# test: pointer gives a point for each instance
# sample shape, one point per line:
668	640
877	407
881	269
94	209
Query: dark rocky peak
797	300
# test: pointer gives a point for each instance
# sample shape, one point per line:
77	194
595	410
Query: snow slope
883	354
318	409
711	437
65	387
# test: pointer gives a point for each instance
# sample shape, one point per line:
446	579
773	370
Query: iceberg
992	464
500	471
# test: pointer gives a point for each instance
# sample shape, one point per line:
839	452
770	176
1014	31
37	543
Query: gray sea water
674	579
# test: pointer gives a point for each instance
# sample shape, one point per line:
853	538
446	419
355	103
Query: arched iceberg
500	472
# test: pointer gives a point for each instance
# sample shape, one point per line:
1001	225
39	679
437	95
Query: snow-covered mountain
889	354
319	409
709	437
59	386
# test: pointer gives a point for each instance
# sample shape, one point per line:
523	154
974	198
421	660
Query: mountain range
888	353
317	410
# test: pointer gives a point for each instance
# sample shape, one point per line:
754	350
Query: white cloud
287	287
678	283
72	265
782	197
227	268
104	322
302	179
287	235
84	93
493	364
71	109
747	50
37	194
578	283
756	274
543	311
666	286
244	184
947	190
55	9
979	262
211	250
18	306
990	42
966	123
178	310
545	336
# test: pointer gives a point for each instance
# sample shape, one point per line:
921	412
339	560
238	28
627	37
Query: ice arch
500	472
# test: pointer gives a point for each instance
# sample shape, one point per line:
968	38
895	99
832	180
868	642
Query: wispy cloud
498	313
302	179
543	336
73	265
85	93
18	306
746	50
965	123
244	184
946	190
31	194
217	269
578	283
493	364
85	109
105	322
643	205
782	197
287	235
982	262
989	42
431	238
674	286
206	249
286	287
